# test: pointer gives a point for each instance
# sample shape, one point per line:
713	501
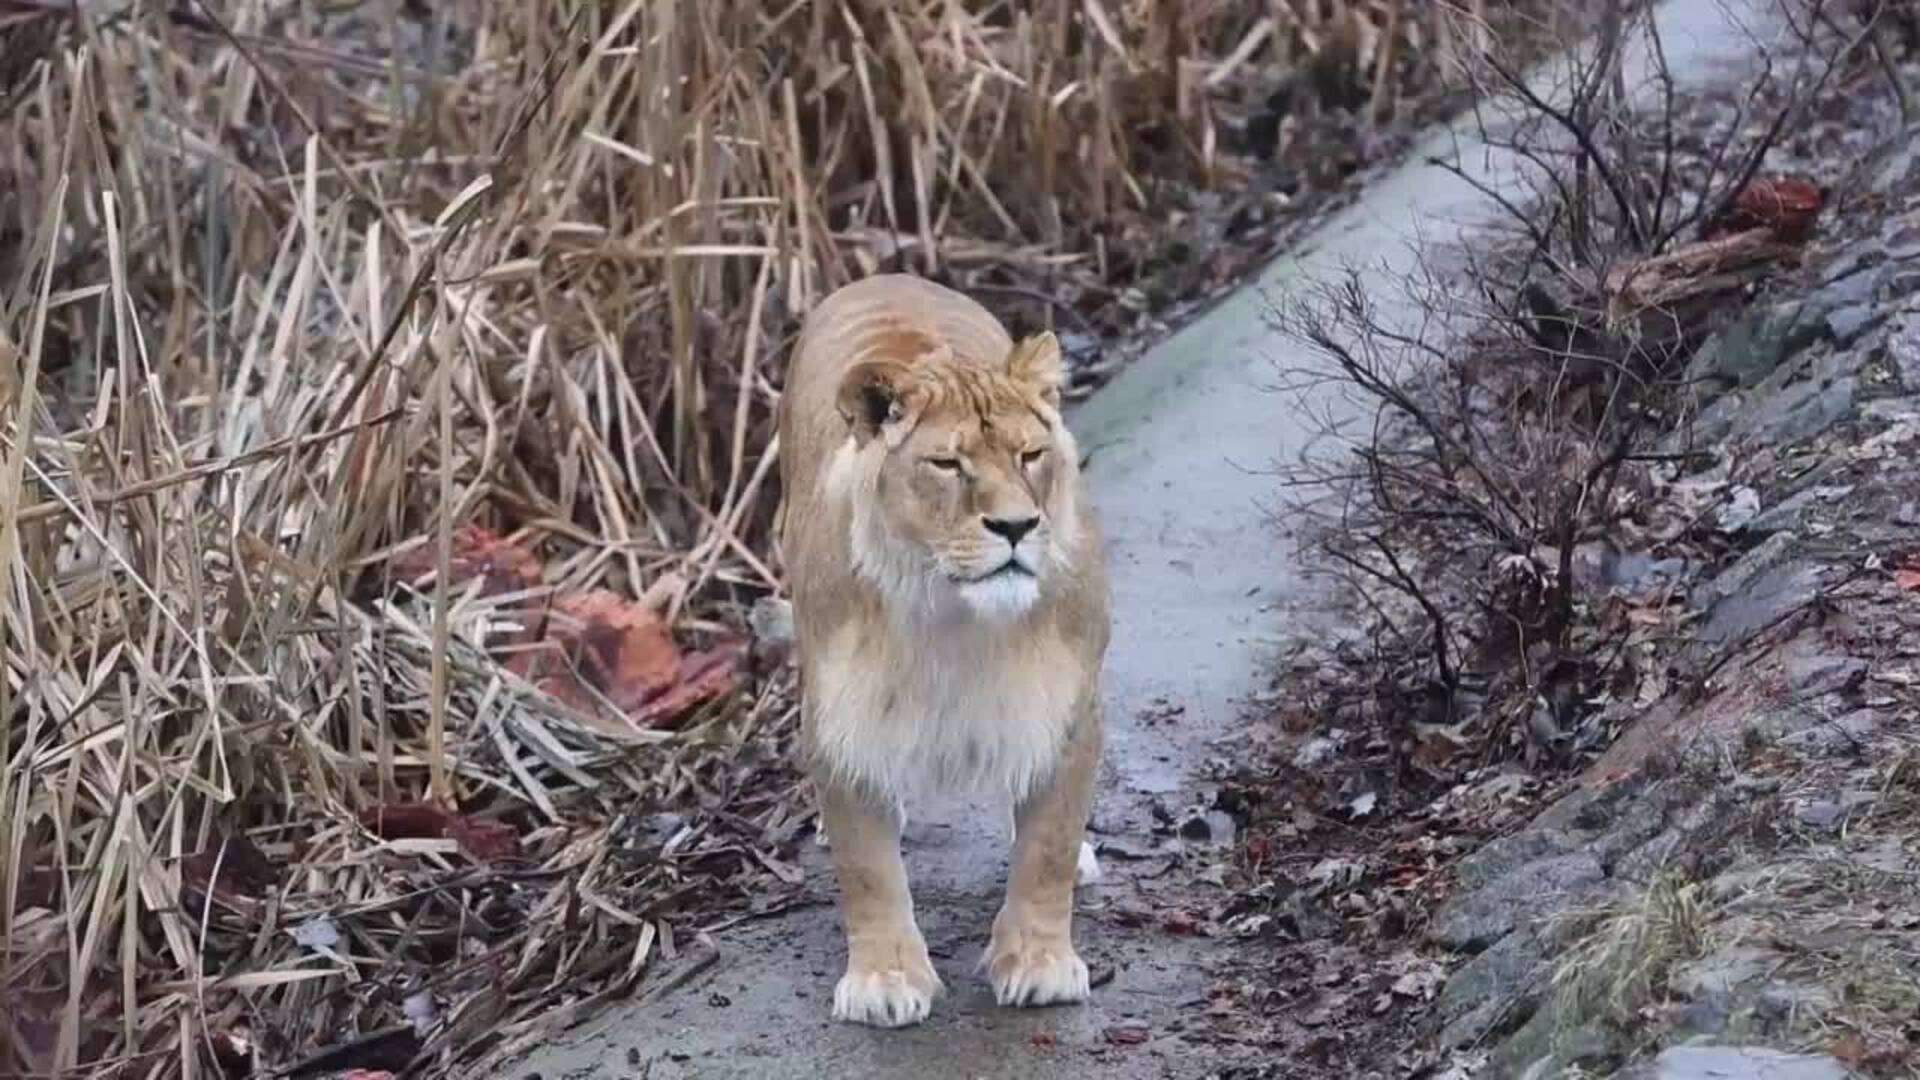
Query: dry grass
294	289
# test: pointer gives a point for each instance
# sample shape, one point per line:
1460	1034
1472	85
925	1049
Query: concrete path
1182	446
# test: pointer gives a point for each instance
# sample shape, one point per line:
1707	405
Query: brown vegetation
294	292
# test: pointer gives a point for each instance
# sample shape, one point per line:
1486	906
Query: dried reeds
294	290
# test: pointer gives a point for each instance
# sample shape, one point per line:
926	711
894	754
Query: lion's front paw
889	997
1035	969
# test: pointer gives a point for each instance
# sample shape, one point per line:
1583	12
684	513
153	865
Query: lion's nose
1011	528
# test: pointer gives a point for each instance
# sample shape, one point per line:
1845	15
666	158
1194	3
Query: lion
951	616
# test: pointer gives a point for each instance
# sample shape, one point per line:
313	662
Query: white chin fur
1002	596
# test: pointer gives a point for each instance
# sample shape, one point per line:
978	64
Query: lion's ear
875	396
1037	362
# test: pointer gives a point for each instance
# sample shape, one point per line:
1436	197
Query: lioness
950	613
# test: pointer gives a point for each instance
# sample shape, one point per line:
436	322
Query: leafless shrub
1511	400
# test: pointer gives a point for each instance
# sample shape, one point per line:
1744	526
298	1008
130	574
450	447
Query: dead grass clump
1621	963
295	295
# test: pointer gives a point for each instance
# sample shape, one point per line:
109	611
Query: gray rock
1738	1063
1502	855
1900	241
1844	734
1849	324
1759	588
1599	567
1495	991
1535	890
1812	676
1790	1004
1855	283
1710	427
1634	823
771	620
1749	350
1789	513
1798	411
1903	349
1646	862
1724	972
1823	814
1898	162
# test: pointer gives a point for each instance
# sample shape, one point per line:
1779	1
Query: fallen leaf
604	651
1907	576
1788	207
233	1052
1850	1049
1259	849
239	873
477	552
703	676
1128	1034
1044	1040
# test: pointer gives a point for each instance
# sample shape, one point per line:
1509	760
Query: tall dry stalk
291	290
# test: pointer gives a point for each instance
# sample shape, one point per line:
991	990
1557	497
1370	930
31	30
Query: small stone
1078	346
1222	825
1316	752
771	620
1822	814
1212	827
1726	1062
1742	506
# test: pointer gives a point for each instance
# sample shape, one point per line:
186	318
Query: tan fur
940	646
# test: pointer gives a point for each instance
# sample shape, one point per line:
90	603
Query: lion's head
962	476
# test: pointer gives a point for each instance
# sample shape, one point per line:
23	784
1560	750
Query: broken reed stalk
291	291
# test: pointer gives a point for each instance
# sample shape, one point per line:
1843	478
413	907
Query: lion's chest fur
960	709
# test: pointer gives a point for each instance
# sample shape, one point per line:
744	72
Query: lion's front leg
1030	958
890	982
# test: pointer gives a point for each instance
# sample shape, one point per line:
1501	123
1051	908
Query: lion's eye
945	464
1032	457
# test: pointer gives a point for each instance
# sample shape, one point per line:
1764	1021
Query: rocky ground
1728	884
